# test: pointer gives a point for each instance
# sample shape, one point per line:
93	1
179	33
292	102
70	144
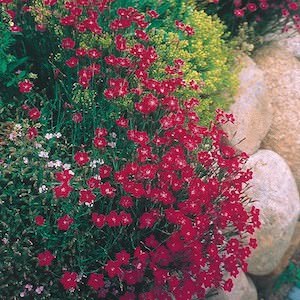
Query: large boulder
290	41
251	108
275	193
243	288
282	74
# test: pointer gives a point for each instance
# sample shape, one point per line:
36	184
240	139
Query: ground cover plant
264	15
111	186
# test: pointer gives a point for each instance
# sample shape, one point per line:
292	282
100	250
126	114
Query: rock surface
251	108
243	288
274	189
282	75
290	41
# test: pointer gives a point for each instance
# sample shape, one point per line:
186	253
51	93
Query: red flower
96	281
252	7
228	285
125	218
100	142
93	183
50	2
126	201
62	191
147	220
15	28
107	189
25	86
32	133
87	197
69	280
67	43
99	220
64	176
81	158
72	62
94	53
123	257
148	104
101	132
45	258
239	13
105	171
34	114
64	223
113	268
113	219
81	52
122	122
39	220
120	42
153	14
77	117
293	6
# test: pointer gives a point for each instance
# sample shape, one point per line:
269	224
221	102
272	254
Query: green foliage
266	17
10	74
291	275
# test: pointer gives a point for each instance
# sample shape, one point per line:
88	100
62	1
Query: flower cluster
183	193
258	11
152	206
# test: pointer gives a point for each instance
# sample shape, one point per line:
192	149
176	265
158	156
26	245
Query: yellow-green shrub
207	57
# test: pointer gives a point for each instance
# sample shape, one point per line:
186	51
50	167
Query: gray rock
243	288
290	41
251	108
282	74
275	193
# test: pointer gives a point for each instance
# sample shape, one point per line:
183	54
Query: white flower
58	135
29	287
39	289
22	294
93	164
44	154
113	135
43	189
37	145
112	144
50	164
98	177
48	136
12	136
67	167
25	160
57	163
18	126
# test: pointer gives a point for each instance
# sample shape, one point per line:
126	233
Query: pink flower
239	13
77	117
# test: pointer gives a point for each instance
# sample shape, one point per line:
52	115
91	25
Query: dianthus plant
165	216
265	15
